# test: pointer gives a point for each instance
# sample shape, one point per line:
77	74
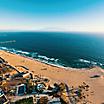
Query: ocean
76	50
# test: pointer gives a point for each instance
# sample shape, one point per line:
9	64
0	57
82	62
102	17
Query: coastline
72	77
79	63
33	59
23	54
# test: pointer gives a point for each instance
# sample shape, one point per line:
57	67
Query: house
21	89
3	98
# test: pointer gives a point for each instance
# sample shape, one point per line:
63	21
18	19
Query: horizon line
51	31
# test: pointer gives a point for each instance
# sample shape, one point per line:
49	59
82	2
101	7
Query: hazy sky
52	15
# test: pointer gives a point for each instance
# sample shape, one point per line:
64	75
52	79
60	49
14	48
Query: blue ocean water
78	50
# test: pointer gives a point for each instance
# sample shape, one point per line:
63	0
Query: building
3	98
21	89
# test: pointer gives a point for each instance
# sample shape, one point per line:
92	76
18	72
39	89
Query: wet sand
72	77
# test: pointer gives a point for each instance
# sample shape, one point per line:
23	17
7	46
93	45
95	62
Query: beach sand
72	77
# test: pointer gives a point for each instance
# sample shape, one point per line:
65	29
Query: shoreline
31	58
34	59
86	64
53	65
73	77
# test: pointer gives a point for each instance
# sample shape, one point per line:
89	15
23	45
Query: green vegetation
25	101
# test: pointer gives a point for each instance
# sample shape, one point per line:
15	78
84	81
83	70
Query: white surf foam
41	58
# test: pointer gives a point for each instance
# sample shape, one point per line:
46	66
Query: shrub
25	101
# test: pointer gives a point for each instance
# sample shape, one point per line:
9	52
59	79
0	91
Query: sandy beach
71	76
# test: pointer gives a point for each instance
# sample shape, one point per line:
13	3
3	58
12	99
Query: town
18	85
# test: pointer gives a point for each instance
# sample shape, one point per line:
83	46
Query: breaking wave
91	63
79	63
36	56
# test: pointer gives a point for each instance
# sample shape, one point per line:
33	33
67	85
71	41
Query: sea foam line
47	60
91	62
35	56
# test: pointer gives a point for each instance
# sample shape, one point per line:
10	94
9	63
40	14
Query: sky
52	15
